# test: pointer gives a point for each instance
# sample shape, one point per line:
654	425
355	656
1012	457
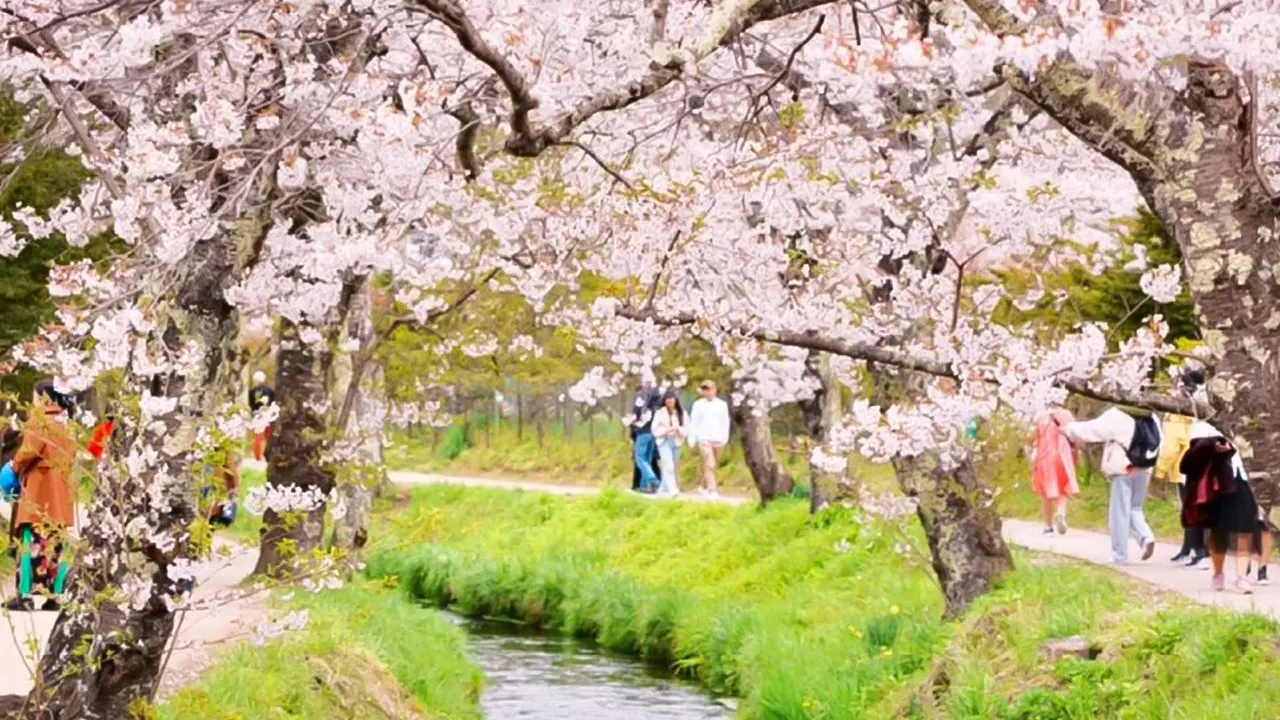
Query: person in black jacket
644	446
261	395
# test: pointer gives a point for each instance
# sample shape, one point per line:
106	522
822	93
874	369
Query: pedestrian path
1085	545
225	614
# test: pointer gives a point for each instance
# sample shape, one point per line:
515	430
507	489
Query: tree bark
360	424
821	413
955	509
756	435
105	655
294	455
300	437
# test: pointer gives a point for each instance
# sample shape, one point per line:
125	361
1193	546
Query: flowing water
535	676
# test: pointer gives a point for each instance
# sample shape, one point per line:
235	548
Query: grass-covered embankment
365	653
824	620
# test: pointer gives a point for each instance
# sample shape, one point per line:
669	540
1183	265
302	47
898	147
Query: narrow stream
536	676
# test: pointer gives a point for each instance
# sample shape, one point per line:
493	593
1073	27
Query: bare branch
599	161
757	102
666	259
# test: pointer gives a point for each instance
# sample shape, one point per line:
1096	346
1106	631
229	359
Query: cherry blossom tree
836	177
906	150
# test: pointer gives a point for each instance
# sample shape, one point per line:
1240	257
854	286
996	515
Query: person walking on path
669	431
645	448
637	479
260	396
709	433
1053	469
1220	501
45	508
1177	438
1130	448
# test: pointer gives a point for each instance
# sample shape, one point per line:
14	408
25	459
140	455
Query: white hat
259	377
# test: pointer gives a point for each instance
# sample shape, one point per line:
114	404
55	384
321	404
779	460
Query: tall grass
834	618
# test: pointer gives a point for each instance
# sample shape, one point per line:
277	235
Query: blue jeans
644	450
1126	519
668	456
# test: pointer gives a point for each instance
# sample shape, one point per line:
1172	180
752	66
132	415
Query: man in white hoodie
1115	428
709	431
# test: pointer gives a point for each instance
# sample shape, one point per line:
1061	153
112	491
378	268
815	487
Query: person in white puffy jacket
1115	429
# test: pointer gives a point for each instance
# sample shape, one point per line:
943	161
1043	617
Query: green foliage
759	604
361	652
1113	297
39	181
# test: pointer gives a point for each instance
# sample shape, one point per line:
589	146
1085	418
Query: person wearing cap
261	395
708	432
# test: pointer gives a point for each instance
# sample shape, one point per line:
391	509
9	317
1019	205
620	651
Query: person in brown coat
46	503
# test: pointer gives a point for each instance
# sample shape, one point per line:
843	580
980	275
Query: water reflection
533	676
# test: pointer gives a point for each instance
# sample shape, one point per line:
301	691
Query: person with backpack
1131	445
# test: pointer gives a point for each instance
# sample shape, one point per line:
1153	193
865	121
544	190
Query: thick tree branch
450	12
907	361
529	139
1105	113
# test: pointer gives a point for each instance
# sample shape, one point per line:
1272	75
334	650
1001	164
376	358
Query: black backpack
1144	448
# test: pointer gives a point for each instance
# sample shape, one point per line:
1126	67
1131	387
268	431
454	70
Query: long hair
679	406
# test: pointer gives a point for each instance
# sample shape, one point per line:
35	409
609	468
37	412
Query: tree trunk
821	413
104	655
756	435
1193	154
519	414
361	426
301	435
955	509
1228	228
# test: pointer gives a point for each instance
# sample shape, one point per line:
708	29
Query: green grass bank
834	618
365	654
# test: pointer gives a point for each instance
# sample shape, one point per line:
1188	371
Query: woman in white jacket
669	431
1115	430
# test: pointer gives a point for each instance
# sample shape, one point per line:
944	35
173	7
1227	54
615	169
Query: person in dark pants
644	447
637	484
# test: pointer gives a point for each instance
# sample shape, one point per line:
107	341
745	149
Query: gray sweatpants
1126	519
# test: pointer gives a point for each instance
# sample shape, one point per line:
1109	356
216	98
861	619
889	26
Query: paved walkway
1091	547
225	617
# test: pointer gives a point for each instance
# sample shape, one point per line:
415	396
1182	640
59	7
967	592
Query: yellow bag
1176	440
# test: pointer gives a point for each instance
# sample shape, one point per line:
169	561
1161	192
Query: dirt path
225	616
1091	547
